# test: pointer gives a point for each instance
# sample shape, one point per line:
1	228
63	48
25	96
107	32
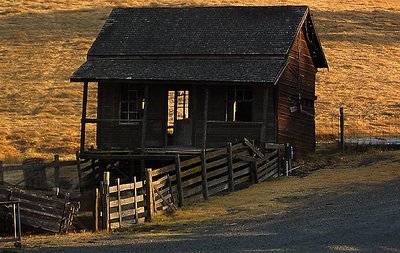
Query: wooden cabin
173	79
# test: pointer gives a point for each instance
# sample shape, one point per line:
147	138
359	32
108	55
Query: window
239	103
131	105
307	103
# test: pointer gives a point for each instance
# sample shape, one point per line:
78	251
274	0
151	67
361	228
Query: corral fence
44	213
36	174
358	129
42	205
184	182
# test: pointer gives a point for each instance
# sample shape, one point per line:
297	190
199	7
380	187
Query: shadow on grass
362	219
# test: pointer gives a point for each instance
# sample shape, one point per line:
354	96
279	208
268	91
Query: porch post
83	119
144	128
205	114
144	119
263	134
193	113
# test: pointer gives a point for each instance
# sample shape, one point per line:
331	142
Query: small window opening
239	104
131	106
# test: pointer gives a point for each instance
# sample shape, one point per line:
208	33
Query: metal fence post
342	129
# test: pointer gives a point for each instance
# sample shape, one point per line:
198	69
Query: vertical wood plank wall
297	128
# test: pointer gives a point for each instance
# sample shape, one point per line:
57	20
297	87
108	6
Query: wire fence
359	129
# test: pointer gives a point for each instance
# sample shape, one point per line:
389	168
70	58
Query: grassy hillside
43	42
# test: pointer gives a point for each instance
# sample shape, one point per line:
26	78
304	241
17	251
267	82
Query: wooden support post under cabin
342	144
230	167
135	200
204	174
1	173
79	169
149	195
83	119
193	113
56	170
118	181
253	173
106	201
96	210
263	134
179	180
205	116
279	163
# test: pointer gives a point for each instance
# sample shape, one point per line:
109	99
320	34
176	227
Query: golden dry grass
43	42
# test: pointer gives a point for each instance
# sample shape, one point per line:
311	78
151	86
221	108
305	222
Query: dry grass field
42	42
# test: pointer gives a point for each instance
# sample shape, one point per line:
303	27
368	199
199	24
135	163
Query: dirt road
357	218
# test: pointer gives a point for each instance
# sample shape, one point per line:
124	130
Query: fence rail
119	205
217	171
34	175
42	212
184	182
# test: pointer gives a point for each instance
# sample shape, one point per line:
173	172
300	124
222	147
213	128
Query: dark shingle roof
199	30
182	70
219	44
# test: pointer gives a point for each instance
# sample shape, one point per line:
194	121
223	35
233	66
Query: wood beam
144	128
83	119
205	116
263	134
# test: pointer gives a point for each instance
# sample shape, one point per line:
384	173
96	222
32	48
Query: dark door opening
179	130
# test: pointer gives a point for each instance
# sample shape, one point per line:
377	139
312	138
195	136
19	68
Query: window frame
134	106
241	94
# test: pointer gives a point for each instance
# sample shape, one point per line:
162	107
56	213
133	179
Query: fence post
78	167
96	210
135	200
253	173
106	203
288	161
342	145
204	174
56	170
230	166
1	173
119	202
149	191
179	180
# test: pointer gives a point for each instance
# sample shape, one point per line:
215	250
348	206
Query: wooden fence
217	171
119	205
42	212
34	176
185	181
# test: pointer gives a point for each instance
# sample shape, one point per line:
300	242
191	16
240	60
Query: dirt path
359	218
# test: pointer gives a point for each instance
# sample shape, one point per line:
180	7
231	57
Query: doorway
179	122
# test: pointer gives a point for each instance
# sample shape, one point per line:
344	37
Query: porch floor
149	153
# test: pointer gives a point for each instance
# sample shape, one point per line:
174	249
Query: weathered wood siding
297	128
113	135
219	132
